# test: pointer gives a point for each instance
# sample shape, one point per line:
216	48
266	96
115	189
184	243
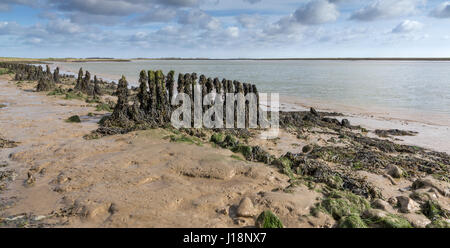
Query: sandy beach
54	177
133	180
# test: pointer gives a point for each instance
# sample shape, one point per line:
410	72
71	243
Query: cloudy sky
225	28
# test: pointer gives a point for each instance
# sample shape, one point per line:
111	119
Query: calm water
415	86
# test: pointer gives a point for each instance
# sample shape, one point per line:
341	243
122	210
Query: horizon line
206	58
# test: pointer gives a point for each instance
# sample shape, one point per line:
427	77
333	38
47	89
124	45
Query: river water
414	89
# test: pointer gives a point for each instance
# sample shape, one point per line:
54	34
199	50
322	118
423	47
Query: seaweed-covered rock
352	221
378	218
340	204
56	76
79	83
45	84
394	132
75	119
267	219
120	117
97	90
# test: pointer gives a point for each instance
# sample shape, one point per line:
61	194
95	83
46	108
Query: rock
56	78
345	123
246	208
30	180
240	222
393	201
307	149
433	183
113	208
75	119
45	84
380	204
417	220
313	111
394	132
407	205
331	120
382	219
375	213
423	195
394	171
390	179
223	211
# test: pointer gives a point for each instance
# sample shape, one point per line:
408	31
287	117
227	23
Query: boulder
407	205
246	208
394	171
307	149
380	204
313	111
345	123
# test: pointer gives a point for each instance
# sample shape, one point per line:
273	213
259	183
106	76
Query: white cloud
158	14
285	26
250	21
65	26
407	26
442	11
385	9
233	32
317	12
198	18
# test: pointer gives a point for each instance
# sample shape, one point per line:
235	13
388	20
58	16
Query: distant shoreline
87	60
337	59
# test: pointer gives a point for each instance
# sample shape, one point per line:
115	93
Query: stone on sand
246	208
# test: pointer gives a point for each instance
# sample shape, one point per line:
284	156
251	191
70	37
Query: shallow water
413	86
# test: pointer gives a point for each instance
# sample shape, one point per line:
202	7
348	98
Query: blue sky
224	28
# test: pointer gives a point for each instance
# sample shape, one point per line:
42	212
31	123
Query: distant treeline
340	59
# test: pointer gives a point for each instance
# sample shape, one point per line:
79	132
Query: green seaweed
343	203
185	139
267	219
389	221
433	210
74	119
439	223
103	107
73	95
244	150
57	92
217	138
352	221
4	71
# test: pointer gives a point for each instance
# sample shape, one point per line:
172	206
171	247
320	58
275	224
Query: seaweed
268	219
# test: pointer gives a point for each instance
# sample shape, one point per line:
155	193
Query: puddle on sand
94	118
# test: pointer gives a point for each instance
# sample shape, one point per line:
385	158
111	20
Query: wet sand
433	130
142	179
135	180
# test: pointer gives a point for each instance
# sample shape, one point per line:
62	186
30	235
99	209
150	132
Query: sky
224	28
